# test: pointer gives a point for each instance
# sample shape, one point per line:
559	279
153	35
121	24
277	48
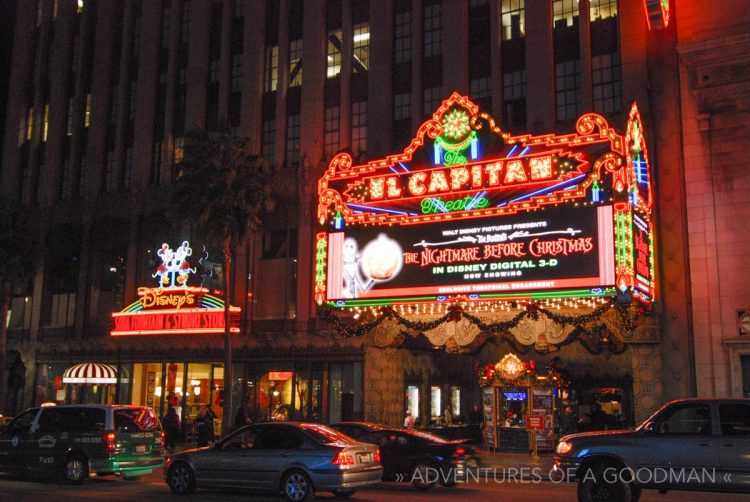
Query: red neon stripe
335	284
606	245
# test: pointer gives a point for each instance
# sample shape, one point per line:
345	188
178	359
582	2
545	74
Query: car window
241	440
278	438
136	419
326	435
22	422
83	419
686	419
735	419
51	420
378	438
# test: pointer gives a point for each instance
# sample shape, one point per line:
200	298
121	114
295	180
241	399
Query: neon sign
521	216
174	311
174	270
657	13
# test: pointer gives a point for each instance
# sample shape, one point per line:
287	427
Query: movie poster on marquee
558	248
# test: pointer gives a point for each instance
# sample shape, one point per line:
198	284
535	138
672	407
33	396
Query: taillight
343	458
162	439
377	456
459	452
109	441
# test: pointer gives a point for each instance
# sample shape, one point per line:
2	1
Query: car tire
448	480
296	486
593	487
419	474
181	479
344	492
75	469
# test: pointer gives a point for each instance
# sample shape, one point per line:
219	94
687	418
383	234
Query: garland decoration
593	339
551	377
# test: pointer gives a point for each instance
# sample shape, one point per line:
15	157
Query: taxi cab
79	441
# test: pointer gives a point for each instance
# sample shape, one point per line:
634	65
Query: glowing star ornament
456	124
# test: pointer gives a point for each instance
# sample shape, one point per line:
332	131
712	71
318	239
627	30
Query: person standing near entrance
205	421
171	428
409	421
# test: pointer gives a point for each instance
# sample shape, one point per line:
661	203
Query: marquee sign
469	210
173	308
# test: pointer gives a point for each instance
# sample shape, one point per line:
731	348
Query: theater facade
473	245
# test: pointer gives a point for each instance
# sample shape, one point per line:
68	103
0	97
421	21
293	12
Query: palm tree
16	264
224	191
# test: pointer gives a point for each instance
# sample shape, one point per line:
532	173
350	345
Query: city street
153	488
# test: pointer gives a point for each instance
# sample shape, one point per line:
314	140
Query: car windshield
136	419
324	434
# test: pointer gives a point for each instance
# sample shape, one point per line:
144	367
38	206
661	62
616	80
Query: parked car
418	457
296	459
689	444
80	441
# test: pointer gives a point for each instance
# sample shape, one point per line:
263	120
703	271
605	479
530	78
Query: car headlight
564	447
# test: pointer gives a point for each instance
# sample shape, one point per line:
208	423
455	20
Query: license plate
365	458
141	448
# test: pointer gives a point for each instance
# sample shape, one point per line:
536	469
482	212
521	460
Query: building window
165	28
292	140
69	125
237	73
514	19
55	8
564	13
432	30
110	177
79	7
156	162
602	9
480	87
238	8
271	72
268	141
430	100
568	89
361	47
606	81
514	98
179	149
45	123
359	127
22	130
295	63
131	106
333	55
185	27
412	400
113	100
402	37
87	116
213	71
128	171
402	106
435	401
331	131
29	123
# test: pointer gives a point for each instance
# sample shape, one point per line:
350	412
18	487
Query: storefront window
147	387
435	409
513	402
275	388
412	400
49	386
456	401
174	387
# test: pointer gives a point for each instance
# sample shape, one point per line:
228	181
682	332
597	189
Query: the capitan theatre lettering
535	247
158	298
486	175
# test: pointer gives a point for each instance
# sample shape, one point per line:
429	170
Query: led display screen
557	248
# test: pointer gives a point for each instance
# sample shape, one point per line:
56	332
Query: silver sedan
296	459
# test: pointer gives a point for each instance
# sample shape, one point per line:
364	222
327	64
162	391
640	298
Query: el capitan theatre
485	245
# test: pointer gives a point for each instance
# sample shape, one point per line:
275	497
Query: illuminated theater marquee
468	210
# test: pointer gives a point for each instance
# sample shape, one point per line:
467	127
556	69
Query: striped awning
93	373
